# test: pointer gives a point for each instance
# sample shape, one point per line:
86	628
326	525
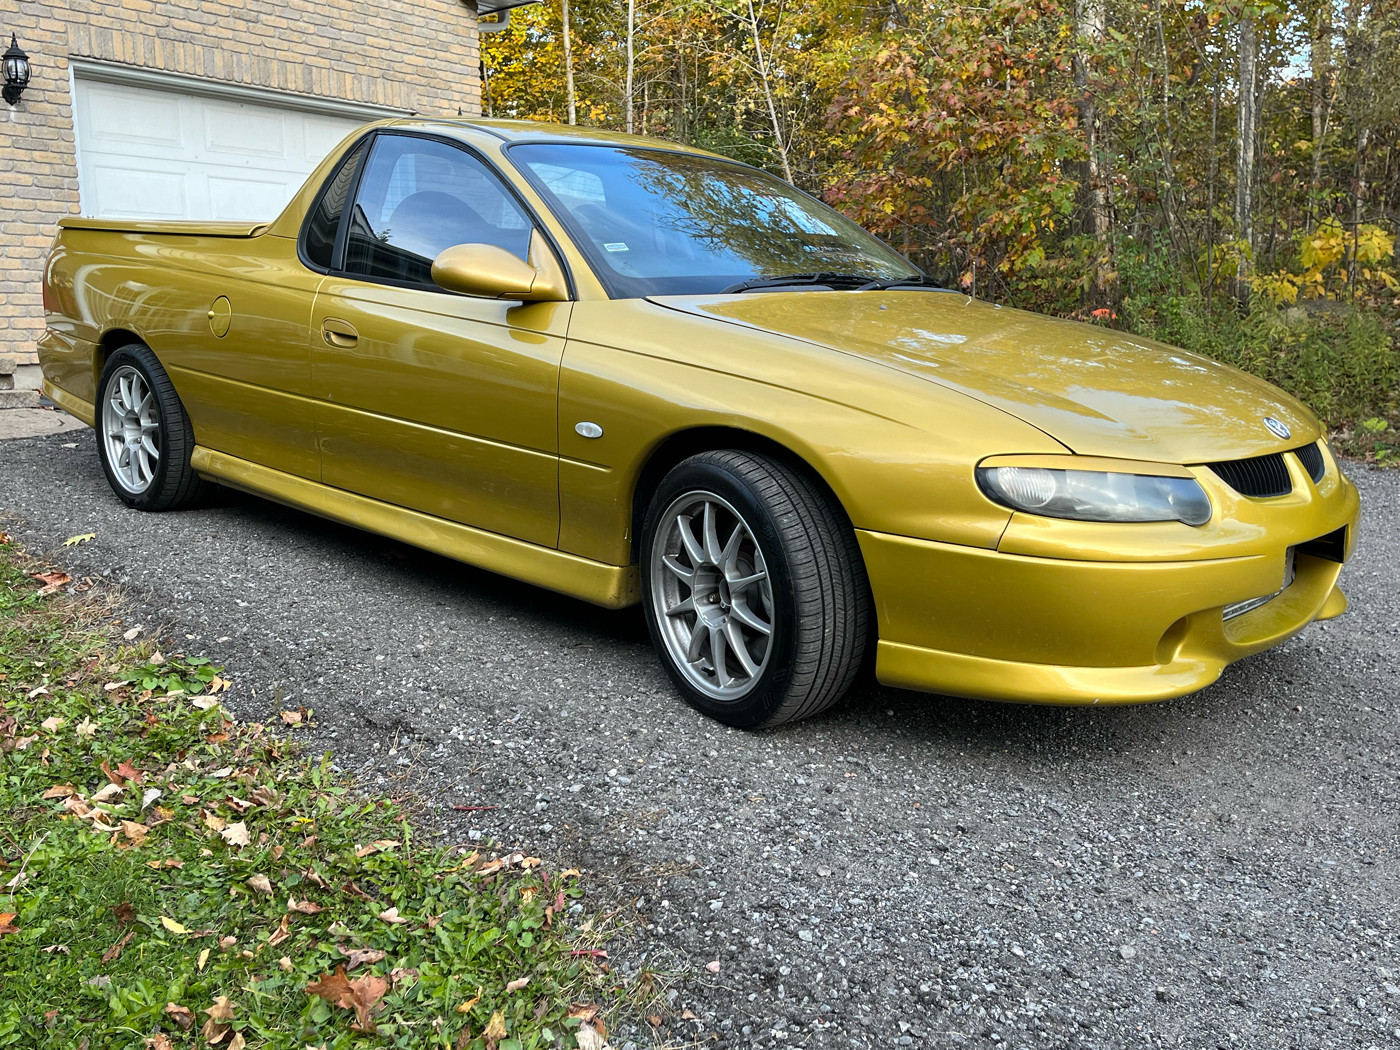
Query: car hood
1097	391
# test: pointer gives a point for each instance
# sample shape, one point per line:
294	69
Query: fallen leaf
129	772
52	581
131	634
222	1010
261	884
305	907
204	703
392	915
361	994
114	952
360	956
496	1027
51	724
172	925
73	541
61	791
135	833
87	727
236	834
292	718
583	1011
213	822
466	1007
183	1015
589	1038
203	958
236	1043
219	685
125	913
517	984
149	795
168	862
285	964
106	791
214	1032
238	805
226	943
283	931
159	1041
6	925
377	846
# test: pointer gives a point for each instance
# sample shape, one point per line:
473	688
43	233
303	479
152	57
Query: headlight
1096	495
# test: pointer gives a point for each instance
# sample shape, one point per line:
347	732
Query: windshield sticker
616	246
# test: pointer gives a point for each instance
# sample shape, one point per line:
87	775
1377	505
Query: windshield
654	222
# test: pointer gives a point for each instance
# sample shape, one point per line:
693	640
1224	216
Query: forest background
1219	175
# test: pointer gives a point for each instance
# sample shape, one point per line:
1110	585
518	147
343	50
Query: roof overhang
491	7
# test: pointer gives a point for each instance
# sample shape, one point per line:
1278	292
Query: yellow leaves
496	1027
173	926
466	1007
86	537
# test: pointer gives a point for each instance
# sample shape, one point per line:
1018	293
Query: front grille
1260	477
1311	458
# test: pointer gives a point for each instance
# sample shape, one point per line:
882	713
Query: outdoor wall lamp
16	71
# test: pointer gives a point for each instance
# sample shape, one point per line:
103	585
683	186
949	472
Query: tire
144	436
738	549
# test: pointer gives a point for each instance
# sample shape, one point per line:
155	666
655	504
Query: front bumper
1074	613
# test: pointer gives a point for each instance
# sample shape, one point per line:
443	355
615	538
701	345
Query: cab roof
513	131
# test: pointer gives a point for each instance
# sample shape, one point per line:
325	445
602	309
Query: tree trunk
1089	28
1321	88
778	138
631	57
569	67
1247	132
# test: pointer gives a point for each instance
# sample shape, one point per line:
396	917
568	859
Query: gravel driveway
1221	870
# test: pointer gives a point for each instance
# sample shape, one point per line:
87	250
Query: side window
324	221
419	197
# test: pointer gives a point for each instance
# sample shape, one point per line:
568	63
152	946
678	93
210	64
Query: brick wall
328	48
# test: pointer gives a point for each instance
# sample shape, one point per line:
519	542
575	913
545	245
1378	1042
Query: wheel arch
683	444
111	341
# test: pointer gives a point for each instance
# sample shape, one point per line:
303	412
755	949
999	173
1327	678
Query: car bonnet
1098	391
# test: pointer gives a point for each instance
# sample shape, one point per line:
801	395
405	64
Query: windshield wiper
915	281
844	280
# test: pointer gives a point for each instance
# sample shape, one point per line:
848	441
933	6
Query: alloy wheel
131	429
712	595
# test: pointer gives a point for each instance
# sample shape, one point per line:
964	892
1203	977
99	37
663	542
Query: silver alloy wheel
131	429
712	596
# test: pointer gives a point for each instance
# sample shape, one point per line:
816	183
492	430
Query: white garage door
155	153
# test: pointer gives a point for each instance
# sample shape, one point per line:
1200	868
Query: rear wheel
754	589
144	436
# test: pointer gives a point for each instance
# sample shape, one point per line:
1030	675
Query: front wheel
144	436
755	591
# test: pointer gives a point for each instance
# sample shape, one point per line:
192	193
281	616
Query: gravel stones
1218	870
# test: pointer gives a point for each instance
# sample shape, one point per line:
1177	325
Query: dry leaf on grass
589	1038
496	1027
391	915
292	718
61	791
360	956
135	833
115	951
159	1041
7	923
517	984
52	723
172	925
261	884
305	907
182	1015
222	1010
52	581
236	834
361	994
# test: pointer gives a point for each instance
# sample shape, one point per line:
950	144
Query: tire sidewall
134	356
759	705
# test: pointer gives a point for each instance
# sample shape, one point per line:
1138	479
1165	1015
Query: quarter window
324	221
419	197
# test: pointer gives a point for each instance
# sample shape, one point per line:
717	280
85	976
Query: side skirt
611	586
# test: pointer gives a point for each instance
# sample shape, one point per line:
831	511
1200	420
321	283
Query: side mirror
494	273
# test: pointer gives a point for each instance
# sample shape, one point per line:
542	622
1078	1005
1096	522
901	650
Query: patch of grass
172	878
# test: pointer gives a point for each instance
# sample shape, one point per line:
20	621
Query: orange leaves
361	994
52	581
7	923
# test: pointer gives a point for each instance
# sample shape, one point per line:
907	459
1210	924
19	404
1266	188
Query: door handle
339	333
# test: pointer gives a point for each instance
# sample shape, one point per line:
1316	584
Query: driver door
437	402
